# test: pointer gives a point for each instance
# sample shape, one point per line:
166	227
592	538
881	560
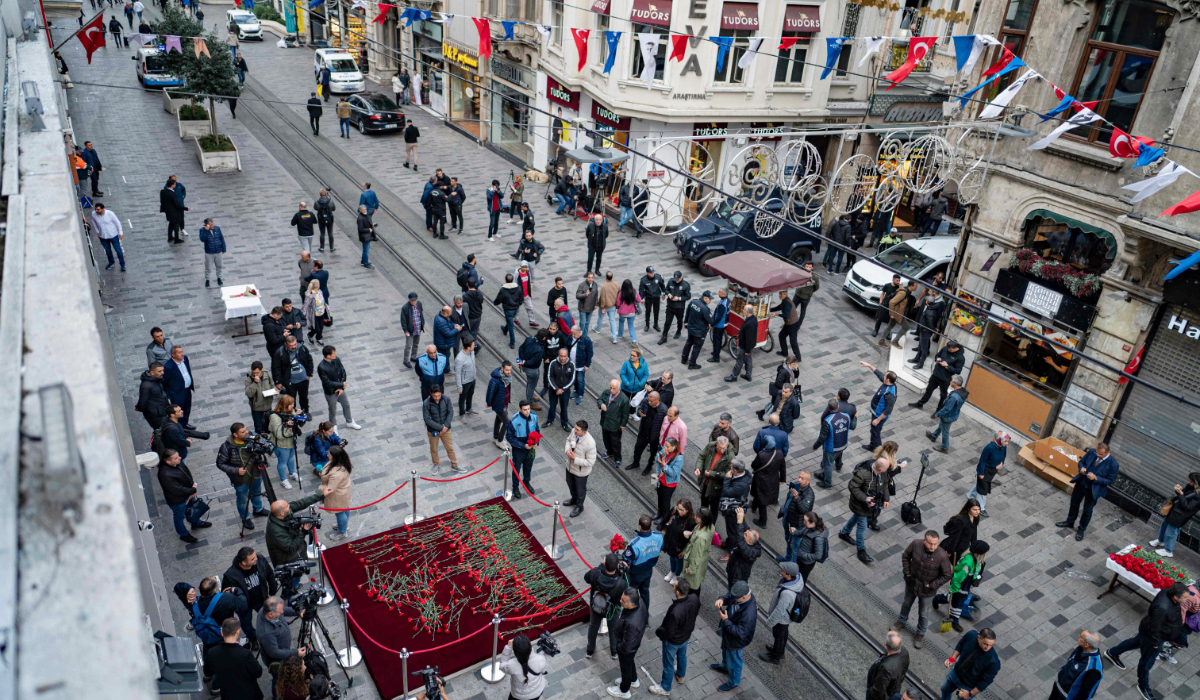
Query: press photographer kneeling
289	530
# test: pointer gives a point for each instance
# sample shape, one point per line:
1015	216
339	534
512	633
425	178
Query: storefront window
1033	359
730	72
789	69
1084	251
660	58
510	119
464	99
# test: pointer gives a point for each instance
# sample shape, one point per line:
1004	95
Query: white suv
344	75
247	24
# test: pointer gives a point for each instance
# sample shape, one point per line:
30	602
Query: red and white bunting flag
485	37
678	46
918	48
581	44
92	36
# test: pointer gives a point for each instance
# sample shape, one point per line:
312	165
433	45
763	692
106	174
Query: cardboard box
1058	454
1058	478
1031	462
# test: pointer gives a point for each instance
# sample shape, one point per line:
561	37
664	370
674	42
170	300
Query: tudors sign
604	115
802	18
656	12
739	15
555	92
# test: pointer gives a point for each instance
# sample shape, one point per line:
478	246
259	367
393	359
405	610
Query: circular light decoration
801	165
930	163
852	184
754	165
892	155
970	185
804	206
888	193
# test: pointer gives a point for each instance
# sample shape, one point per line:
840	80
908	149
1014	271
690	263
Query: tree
204	76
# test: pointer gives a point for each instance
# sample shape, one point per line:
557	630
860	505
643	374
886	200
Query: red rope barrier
460	478
564	527
342	510
514	471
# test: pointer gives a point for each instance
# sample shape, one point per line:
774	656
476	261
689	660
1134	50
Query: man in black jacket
747	339
473	300
562	378
173	435
412	322
698	320
678	294
237	671
437	209
745	551
304	220
665	386
226	606
293	319
274	331
179	488
455	196
651	414
735	490
152	398
739	617
886	675
931	315
675	632
1161	624
291	368
333	383
509	299
628	629
947	363
235	461
651	288
367	233
251	575
597	239
314	113
608	584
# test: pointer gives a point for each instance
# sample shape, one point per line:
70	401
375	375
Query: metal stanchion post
327	594
553	549
505	491
413	518
350	656
404	654
492	673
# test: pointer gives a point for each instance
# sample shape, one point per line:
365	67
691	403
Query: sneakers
726	688
919	641
207	284
615	691
1164	553
287	484
219	280
657	689
1114	658
248	524
636	683
335	536
1146	693
437	468
1155	543
354	426
667	578
263	513
458	470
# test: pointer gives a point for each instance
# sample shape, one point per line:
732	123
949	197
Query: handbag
197	508
328	318
637	399
1166	508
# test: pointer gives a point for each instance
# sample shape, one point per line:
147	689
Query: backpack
156	445
205	627
946	527
463	276
799	609
310	448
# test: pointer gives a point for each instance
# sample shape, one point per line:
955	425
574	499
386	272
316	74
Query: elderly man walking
926	568
886	675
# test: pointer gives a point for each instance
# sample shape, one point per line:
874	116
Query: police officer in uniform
698	320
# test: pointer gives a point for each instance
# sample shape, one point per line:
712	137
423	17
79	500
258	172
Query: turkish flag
384	10
918	48
1133	365
788	42
1121	145
1191	204
581	38
485	37
1075	104
92	36
678	45
1005	59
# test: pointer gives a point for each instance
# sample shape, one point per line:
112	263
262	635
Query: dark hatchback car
375	112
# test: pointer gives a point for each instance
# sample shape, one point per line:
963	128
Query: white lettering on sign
650	13
1181	326
1042	300
763	130
909	112
799	24
710	131
608	114
560	94
741	19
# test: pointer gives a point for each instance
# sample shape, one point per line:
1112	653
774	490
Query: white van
344	75
152	69
916	258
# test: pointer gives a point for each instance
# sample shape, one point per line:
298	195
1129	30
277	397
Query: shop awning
590	154
1110	241
600	7
739	15
656	12
802	18
759	272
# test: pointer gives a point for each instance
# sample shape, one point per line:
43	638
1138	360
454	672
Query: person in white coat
526	669
581	457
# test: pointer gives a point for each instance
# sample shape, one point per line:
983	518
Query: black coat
332	374
176	482
236	670
235	577
174	437
650	420
681	289
666	393
273	333
1162	622
789	413
281	365
961	535
1183	507
742	556
680	620
748	335
406	318
699	318
314	106
152	398
630	627
597	236
366	229
953	360
169	204
886	675
768	474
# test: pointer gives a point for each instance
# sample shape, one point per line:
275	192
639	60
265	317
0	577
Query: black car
375	112
728	230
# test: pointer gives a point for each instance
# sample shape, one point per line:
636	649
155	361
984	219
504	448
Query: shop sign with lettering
914	112
459	57
555	92
710	130
604	115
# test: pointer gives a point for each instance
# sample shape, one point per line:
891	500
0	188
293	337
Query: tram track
807	660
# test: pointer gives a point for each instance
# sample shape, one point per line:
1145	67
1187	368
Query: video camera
313	519
260	445
548	645
432	690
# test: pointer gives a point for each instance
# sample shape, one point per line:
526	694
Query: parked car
919	258
246	23
375	112
344	75
152	69
729	231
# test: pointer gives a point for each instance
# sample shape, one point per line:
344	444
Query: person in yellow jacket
344	109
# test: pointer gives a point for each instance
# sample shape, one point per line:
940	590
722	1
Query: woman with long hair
812	543
695	554
627	308
283	436
525	667
682	519
667	468
1184	505
314	312
335	484
290	683
961	530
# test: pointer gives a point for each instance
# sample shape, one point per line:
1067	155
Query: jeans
1168	535
110	243
943	430
343	521
980	498
931	226
285	461
622	321
876	433
509	315
950	685
827	462
493	223
671	652
585	319
563	202
833	259
611	313
1146	662
246	494
731	659
859	521
580	383
922	610
676	565
179	514
366	256
344	126
626	215
793	544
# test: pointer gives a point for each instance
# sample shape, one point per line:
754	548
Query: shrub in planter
190	113
218	143
204	76
267	12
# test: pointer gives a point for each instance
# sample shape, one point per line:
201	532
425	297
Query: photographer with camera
237	457
526	669
285	426
287	533
291	368
608	583
210	608
274	634
250	575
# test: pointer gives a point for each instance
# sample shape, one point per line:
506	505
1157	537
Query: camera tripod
310	622
259	464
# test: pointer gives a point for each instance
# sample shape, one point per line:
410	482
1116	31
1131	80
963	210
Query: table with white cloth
241	303
1125	577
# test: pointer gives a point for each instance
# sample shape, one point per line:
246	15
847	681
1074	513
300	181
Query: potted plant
193	121
172	100
217	153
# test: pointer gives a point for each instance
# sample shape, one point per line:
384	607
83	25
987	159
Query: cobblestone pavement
1041	584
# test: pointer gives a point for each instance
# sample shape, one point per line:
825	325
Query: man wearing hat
678	294
698	320
651	288
779	612
947	363
739	617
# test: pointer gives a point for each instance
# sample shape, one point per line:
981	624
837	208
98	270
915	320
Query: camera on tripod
286	572
313	519
430	675
548	645
260	445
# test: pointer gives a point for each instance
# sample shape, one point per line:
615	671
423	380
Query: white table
1126	578
239	304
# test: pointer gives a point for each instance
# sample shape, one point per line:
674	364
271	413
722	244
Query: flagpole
85	25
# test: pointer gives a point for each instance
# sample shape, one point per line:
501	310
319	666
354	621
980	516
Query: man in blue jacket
178	382
641	555
1080	677
581	354
499	393
445	332
948	414
882	404
739	617
973	666
835	435
523	423
495	204
1097	470
214	248
990	460
720	319
431	369
368	199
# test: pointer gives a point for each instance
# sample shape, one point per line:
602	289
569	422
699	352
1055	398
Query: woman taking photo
335	484
682	520
766	471
627	307
667	467
961	530
525	667
258	384
695	554
283	435
314	312
634	373
812	544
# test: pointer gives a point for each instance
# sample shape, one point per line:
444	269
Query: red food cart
754	279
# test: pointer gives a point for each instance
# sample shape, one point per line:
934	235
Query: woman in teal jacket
634	373
666	472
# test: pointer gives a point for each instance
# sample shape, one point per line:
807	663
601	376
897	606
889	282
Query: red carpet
444	578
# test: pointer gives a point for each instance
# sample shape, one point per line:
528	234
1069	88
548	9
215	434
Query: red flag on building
581	38
678	46
92	36
918	48
384	10
1191	204
485	37
1133	365
1005	59
788	42
1122	145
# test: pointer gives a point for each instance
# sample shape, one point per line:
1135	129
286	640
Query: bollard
404	654
327	590
492	673
553	549
506	491
350	656
414	518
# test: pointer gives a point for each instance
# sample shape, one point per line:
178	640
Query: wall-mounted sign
688	96
739	15
711	130
555	92
601	6
460	57
513	73
656	174
767	131
1041	300
656	12
802	18
914	112
604	115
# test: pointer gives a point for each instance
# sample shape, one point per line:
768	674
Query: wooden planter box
217	161
170	105
192	128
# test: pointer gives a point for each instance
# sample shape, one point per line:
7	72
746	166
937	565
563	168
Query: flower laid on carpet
1151	567
617	543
